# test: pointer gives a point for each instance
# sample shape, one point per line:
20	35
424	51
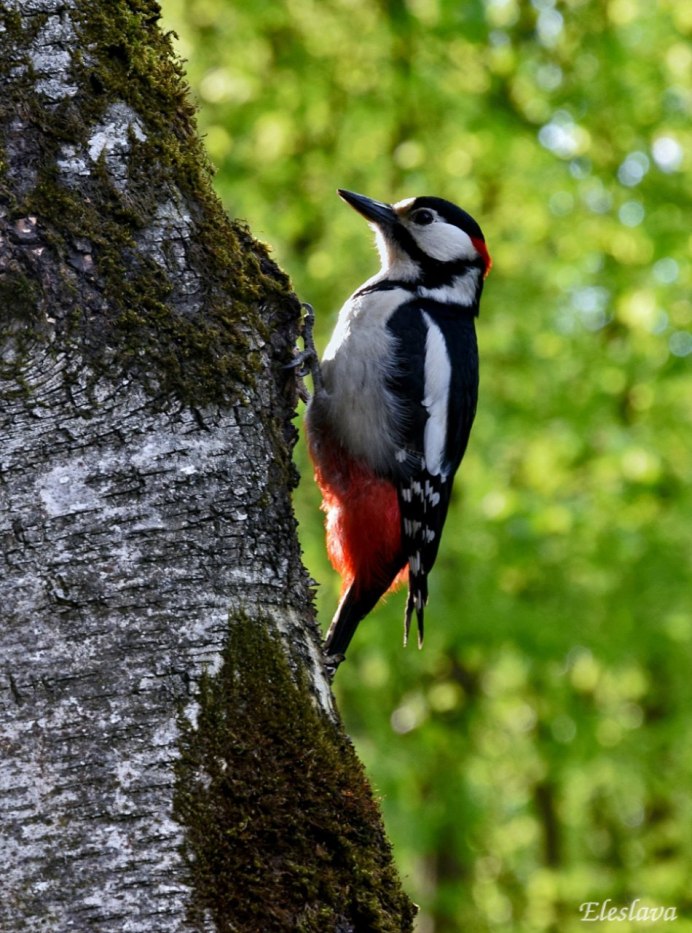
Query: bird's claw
302	362
306	362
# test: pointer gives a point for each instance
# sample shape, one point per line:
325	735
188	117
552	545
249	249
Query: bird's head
424	238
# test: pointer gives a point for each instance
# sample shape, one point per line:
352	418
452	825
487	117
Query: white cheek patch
443	242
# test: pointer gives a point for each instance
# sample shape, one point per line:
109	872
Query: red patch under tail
363	522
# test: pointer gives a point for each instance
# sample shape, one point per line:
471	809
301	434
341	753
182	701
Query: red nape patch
363	521
483	250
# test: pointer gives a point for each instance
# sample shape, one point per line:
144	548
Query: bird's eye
423	217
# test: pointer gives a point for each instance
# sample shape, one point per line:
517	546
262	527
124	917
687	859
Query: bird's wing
435	386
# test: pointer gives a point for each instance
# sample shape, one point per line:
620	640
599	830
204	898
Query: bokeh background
537	754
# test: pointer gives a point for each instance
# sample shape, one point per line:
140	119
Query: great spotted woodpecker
393	404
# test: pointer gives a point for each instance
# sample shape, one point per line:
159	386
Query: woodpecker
393	403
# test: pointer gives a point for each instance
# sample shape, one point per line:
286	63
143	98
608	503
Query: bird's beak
375	211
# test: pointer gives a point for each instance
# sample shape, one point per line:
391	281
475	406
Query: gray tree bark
156	624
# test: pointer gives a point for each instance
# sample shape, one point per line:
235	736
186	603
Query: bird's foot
306	362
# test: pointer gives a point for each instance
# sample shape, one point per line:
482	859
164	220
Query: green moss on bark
198	338
19	292
281	830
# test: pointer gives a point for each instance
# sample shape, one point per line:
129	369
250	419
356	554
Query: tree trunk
170	756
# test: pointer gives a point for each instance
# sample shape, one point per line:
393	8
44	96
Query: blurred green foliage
538	753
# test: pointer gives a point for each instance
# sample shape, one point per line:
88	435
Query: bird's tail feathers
355	604
417	601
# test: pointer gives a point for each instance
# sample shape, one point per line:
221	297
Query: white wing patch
438	375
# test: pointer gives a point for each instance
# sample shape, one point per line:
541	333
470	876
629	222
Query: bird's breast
356	364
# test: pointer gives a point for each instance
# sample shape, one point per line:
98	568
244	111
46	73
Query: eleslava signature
593	911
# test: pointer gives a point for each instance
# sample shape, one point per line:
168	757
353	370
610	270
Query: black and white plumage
394	401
